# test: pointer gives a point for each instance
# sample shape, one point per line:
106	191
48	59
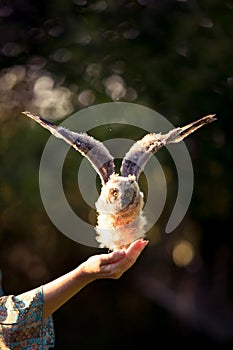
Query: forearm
58	292
112	265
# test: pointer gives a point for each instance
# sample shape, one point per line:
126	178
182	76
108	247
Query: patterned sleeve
21	322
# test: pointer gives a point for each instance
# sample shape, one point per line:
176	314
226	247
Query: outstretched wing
139	154
92	149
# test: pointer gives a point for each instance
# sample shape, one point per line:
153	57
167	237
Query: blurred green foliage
57	57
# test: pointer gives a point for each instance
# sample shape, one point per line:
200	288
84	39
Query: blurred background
58	57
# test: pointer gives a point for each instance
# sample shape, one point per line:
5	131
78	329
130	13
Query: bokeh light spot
183	253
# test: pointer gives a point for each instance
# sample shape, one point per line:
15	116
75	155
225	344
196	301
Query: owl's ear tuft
132	178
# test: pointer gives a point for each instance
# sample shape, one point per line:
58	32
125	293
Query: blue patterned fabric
21	322
1	290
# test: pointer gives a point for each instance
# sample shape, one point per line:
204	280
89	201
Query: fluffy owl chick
120	218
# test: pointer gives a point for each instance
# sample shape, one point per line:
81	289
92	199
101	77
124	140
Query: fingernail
144	242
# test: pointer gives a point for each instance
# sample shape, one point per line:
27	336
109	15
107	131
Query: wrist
85	274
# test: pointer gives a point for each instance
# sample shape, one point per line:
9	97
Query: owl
120	217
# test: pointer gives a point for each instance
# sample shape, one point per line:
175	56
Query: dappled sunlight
115	87
50	100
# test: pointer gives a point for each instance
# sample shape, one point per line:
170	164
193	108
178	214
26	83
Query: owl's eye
114	192
127	194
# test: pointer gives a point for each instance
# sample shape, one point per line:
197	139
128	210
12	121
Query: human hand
111	265
114	264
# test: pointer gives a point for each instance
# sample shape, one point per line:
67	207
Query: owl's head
119	194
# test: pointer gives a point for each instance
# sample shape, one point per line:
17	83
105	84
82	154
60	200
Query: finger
121	260
136	247
133	251
112	257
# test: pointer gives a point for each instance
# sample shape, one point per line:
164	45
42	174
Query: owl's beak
125	201
123	204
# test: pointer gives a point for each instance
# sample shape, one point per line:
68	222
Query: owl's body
120	217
